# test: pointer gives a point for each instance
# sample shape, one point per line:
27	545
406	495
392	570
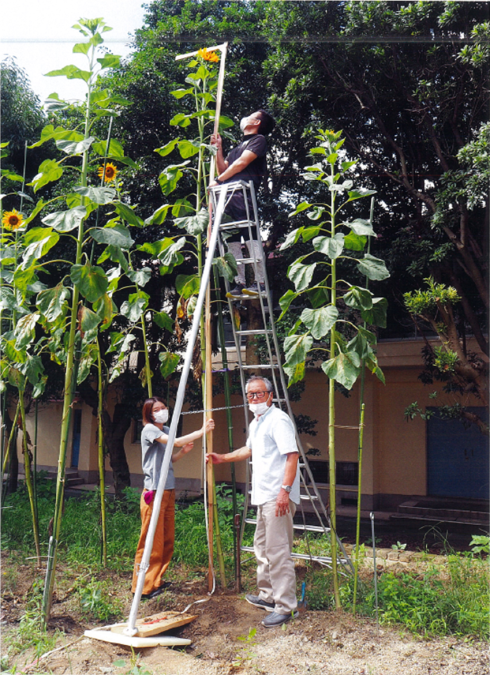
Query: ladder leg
311	494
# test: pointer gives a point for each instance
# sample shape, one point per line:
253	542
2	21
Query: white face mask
259	408
243	123
161	416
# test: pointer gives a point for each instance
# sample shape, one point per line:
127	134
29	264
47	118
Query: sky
41	38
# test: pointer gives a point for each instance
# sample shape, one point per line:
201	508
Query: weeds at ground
452	599
30	632
97	603
134	666
246	653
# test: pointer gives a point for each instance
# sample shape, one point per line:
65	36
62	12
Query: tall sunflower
208	56
12	220
110	172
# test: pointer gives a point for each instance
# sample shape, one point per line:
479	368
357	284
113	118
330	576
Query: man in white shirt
275	493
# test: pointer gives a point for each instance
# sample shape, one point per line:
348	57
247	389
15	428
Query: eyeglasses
258	395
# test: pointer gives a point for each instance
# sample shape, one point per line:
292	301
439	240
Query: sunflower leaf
187	285
169	363
71	73
65	221
135	305
49	171
90	280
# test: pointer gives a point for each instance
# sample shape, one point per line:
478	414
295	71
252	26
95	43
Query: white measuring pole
179	401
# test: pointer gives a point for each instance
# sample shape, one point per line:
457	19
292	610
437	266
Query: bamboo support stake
28	477
229	419
209	439
360	446
331	422
100	438
358	523
9	444
207	323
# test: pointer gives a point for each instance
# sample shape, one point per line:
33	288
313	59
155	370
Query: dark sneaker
258	602
276	619
157	591
236	292
255	289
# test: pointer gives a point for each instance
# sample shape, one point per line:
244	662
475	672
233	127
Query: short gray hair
254	378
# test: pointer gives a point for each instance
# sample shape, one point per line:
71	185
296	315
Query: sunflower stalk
70	379
348	350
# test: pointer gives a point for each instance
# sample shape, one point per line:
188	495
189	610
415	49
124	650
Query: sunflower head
110	172
12	220
208	56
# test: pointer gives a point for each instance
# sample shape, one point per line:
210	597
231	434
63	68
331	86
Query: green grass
439	601
450	600
80	541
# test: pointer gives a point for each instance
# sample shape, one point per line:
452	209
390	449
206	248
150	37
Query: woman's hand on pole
209	426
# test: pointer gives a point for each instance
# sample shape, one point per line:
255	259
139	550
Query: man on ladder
246	162
275	493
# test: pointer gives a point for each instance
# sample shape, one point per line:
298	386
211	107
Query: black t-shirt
257	169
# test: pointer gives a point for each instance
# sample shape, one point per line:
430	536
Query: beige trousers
276	578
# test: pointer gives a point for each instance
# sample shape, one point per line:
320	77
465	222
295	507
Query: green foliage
98	603
134	666
319	273
424	303
30	633
190	529
443	600
246	653
480	543
432	606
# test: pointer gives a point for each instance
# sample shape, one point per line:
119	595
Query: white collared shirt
271	438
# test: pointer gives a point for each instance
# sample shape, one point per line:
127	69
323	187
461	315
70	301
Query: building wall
394	454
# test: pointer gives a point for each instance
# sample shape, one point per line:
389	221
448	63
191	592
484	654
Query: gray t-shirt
152	457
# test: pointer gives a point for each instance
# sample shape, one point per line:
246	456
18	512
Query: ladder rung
303	528
247	261
255	331
302	556
236	224
311	528
260	365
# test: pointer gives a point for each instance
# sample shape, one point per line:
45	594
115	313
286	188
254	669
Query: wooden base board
157	623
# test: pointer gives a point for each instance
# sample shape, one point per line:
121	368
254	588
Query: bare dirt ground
326	643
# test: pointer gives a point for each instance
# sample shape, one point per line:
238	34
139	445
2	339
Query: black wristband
220	182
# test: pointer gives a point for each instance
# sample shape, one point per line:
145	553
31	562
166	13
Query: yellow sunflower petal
12	220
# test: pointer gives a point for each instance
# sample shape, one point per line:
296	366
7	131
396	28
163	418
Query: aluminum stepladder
309	492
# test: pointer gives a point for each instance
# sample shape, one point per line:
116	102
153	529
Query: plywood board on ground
157	623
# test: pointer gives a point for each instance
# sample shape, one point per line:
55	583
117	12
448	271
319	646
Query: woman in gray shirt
153	444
